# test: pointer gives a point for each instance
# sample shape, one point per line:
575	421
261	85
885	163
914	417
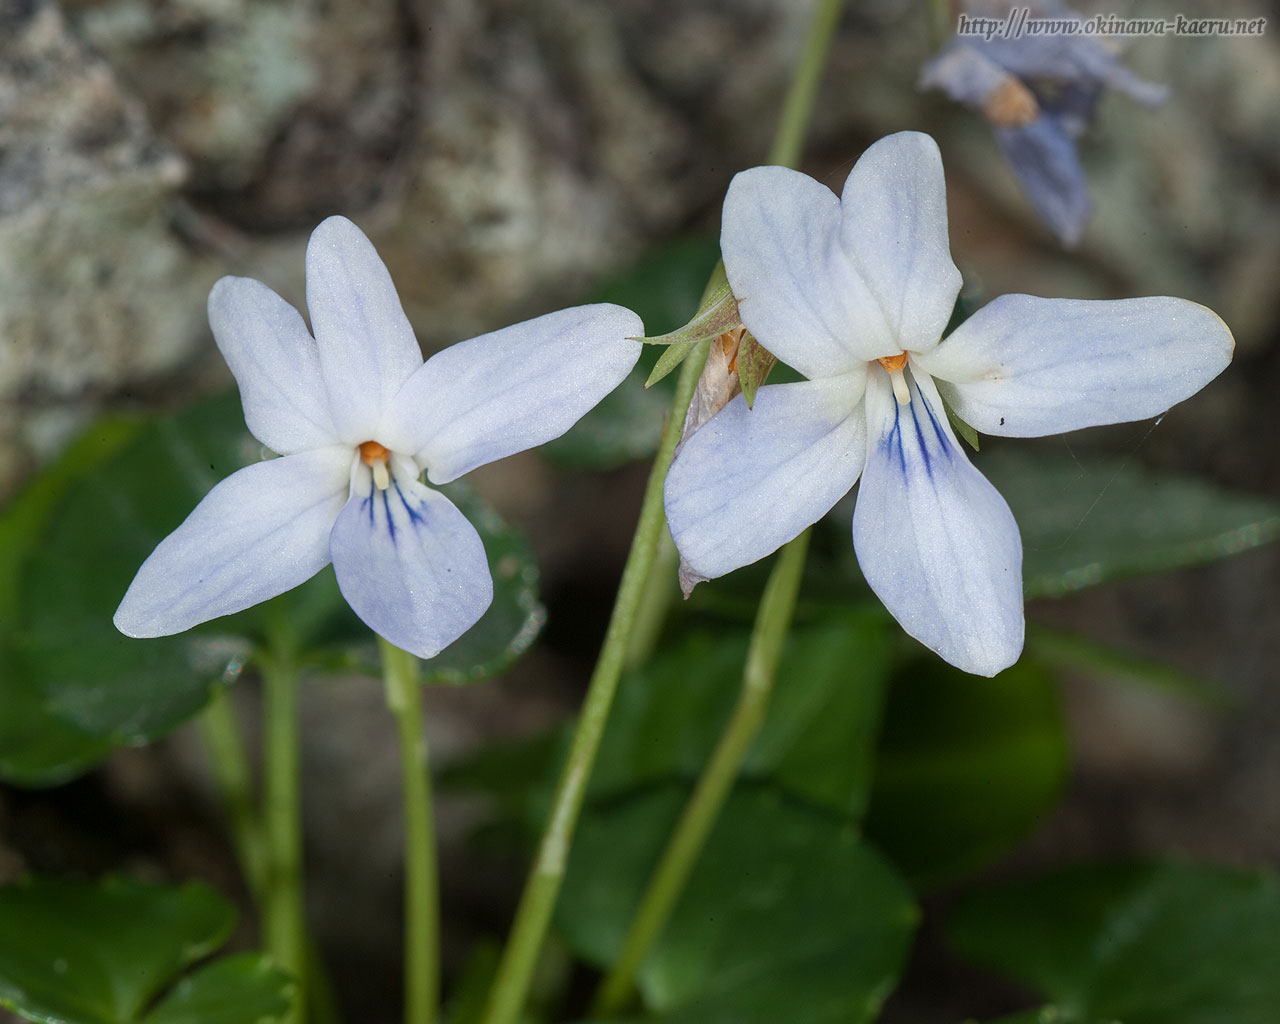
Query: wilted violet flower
357	417
854	291
1039	91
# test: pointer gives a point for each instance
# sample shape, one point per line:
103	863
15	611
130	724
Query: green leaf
73	688
787	916
817	740
83	953
1163	943
967	767
1087	521
626	426
233	990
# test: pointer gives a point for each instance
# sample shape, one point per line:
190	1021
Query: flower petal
261	531
276	365
796	290
1043	156
895	234
1023	366
936	542
751	479
367	347
513	389
410	564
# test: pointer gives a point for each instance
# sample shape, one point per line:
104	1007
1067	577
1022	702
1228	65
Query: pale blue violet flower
357	417
854	292
1039	91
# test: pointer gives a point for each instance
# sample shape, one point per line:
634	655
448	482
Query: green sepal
755	363
717	313
960	426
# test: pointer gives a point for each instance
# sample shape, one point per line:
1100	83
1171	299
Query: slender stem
773	619
230	766
421	900
282	911
796	109
533	914
659	591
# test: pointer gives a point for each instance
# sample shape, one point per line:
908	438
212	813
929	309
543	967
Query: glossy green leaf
233	990
73	688
967	766
1085	521
788	916
663	289
1164	943
83	953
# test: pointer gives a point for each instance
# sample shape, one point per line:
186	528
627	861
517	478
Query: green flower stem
230	766
533	915
282	910
659	591
421	900
773	620
769	633
229	763
793	123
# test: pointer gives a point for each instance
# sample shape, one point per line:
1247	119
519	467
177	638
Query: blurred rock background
506	156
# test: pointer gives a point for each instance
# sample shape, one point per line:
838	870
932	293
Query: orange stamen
892	363
373	452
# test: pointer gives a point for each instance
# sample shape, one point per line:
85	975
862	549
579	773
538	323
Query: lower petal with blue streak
410	564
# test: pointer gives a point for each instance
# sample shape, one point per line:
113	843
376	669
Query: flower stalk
533	915
769	632
283	914
421	900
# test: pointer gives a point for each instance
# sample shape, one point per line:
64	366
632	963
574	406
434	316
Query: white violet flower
357	417
854	292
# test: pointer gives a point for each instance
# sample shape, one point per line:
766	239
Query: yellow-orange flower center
375	457
893	366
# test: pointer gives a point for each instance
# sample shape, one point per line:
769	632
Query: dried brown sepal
717	385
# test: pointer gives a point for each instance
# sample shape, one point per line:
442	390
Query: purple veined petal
512	389
895	234
276	365
796	290
1043	155
752	479
409	563
261	531
367	347
1023	366
936	542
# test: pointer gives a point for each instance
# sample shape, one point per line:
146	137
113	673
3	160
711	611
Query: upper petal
367	347
261	531
936	542
895	234
512	389
409	564
1024	366
275	363
751	479
796	291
